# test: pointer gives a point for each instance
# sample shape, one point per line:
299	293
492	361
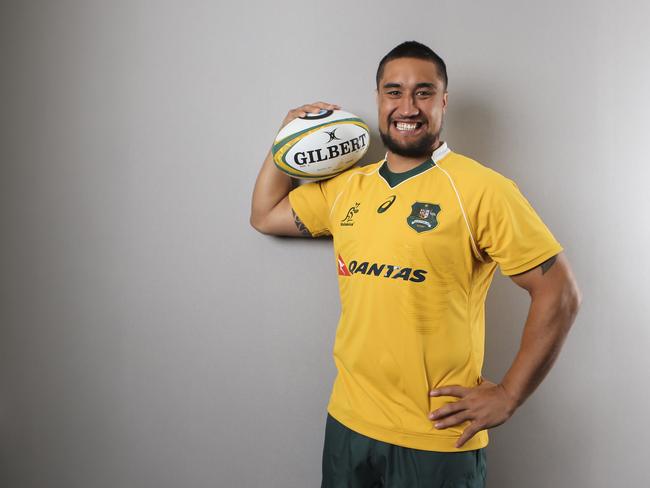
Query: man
409	406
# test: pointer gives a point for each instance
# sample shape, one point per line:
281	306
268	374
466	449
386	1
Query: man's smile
408	127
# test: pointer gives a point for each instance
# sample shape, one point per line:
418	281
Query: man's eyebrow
417	85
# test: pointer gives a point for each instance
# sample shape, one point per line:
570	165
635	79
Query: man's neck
400	164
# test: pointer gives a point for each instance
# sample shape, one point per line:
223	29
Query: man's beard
417	149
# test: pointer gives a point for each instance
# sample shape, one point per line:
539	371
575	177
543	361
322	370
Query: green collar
394	179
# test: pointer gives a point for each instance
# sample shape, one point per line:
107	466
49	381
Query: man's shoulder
365	169
470	173
344	176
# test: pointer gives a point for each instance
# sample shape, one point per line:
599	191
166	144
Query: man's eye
425	93
394	92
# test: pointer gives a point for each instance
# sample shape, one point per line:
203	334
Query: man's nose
407	107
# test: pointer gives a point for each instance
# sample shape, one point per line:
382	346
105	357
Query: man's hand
486	405
271	211
308	108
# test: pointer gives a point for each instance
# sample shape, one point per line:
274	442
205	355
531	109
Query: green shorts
352	460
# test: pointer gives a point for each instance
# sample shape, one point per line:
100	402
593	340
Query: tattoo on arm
545	266
301	227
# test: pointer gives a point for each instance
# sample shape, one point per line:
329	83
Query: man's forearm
555	299
549	319
488	404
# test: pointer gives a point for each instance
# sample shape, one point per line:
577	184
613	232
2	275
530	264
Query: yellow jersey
415	254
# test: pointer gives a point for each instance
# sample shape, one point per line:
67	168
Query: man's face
411	102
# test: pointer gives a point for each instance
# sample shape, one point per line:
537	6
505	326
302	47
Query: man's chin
410	152
418	149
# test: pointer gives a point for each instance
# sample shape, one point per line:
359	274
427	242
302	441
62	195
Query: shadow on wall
536	422
376	151
474	128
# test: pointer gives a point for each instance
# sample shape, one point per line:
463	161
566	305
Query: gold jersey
415	254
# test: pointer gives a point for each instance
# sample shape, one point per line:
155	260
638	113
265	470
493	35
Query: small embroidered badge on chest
349	217
423	216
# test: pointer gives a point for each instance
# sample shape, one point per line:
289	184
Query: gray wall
150	338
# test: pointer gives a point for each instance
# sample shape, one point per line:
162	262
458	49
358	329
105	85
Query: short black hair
414	49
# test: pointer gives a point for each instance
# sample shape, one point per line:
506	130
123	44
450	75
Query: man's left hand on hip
486	405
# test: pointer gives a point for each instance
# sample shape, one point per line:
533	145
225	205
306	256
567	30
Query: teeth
405	126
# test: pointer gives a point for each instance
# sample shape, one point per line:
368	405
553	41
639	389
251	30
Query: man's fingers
316	107
448	409
459	418
467	434
307	108
328	106
453	390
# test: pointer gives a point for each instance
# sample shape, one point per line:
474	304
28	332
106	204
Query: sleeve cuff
527	266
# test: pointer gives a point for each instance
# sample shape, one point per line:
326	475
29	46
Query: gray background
149	337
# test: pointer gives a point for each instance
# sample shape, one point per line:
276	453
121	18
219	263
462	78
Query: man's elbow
572	301
258	224
576	300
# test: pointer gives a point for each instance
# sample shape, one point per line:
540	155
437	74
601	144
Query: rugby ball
320	144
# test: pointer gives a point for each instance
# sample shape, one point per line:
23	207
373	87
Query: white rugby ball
321	144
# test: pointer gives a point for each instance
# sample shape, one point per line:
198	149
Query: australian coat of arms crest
423	216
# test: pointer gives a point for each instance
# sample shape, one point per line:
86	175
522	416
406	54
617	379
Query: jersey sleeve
312	203
510	231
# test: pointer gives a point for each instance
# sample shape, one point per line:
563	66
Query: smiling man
417	239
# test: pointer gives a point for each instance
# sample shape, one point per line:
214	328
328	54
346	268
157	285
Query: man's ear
444	102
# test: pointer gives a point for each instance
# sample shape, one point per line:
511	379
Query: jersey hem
425	442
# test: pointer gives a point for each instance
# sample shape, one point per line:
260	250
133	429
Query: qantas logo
343	269
381	270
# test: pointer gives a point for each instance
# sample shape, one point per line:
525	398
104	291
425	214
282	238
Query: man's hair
413	49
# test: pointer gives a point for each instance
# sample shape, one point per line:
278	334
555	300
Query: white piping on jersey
441	152
346	182
437	155
462	209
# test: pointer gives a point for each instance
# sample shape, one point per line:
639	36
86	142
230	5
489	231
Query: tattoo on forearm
546	265
301	227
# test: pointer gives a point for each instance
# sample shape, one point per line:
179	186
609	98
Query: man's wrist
513	400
